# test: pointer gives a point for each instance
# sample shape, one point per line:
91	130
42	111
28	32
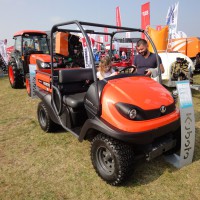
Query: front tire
112	159
44	119
15	78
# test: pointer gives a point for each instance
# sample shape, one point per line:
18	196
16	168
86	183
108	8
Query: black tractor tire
15	78
112	159
44	119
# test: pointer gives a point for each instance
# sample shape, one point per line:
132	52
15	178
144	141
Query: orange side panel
189	46
43	81
193	47
62	43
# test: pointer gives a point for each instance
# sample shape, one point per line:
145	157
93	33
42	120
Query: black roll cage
80	24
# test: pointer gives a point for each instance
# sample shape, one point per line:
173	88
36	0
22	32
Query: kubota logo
162	109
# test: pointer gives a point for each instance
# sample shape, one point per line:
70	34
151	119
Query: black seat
74	100
73	81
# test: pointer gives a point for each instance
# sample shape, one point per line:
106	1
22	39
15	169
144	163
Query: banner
88	62
118	17
145	17
171	20
32	69
3	51
187	126
128	34
105	36
98	43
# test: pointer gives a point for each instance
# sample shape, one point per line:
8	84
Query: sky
16	15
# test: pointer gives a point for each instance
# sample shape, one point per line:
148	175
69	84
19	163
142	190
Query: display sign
187	126
32	72
3	51
86	54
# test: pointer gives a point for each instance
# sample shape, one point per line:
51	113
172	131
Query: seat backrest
74	80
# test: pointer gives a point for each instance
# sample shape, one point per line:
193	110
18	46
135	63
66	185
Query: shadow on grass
146	172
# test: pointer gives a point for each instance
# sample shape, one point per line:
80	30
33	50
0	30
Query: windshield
36	43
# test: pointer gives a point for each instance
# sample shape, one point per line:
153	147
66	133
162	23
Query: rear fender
65	116
46	99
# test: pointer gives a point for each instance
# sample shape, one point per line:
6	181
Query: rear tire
44	119
112	159
15	78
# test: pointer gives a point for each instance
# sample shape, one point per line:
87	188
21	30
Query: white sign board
32	73
86	54
187	126
3	51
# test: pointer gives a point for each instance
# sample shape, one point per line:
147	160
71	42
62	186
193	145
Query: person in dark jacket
145	61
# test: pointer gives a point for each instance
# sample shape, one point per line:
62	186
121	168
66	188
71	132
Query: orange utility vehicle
124	116
30	46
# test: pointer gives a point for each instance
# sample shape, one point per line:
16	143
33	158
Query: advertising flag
3	51
98	43
118	17
171	20
106	36
145	16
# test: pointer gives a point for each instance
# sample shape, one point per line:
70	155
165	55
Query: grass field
37	165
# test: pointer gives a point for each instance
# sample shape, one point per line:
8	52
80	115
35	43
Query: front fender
97	125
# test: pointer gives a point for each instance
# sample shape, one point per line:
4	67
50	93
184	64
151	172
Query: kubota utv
127	116
29	46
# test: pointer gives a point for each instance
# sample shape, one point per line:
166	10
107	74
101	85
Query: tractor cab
29	45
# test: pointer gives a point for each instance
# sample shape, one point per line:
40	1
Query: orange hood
139	91
42	57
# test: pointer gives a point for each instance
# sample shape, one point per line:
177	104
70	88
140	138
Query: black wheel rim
105	160
42	117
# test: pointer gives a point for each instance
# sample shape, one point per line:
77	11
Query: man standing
145	61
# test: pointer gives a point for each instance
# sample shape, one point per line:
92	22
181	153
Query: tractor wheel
44	119
28	86
15	78
112	159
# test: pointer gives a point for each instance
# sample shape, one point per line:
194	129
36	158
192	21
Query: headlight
132	114
129	111
45	65
42	64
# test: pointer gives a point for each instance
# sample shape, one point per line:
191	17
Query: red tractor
30	46
127	116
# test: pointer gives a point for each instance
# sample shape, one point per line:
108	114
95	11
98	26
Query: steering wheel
128	70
